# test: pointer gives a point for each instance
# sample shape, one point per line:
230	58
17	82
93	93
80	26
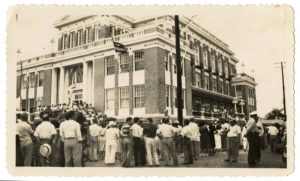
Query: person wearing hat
44	133
72	138
195	138
25	131
252	135
111	136
233	143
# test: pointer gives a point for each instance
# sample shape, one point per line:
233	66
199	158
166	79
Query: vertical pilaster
61	85
85	83
66	85
54	86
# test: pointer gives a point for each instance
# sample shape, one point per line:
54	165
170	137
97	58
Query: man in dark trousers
253	139
137	133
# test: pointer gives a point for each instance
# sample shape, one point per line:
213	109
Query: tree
275	114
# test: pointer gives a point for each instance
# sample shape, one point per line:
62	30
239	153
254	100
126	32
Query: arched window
77	76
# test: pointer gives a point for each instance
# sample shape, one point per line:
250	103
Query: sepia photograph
194	87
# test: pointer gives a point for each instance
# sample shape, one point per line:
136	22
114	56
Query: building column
93	83
85	83
61	85
66	86
54	87
89	83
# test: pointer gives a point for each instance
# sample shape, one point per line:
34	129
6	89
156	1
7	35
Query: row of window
213	84
124	95
30	81
87	35
138	58
24	105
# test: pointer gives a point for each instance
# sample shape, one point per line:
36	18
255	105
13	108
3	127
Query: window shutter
60	44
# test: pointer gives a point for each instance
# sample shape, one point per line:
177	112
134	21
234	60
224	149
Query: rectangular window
110	65
168	95
24	105
206	82
124	97
41	78
239	91
166	63
205	59
139	96
214	85
31	105
197	59
24	81
110	99
31	80
220	67
124	63
213	62
226	68
139	60
198	79
80	32
221	87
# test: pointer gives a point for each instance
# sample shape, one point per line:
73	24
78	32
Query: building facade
141	82
244	86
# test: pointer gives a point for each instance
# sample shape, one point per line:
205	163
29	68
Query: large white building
141	82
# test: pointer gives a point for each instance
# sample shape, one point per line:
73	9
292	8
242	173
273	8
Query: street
268	160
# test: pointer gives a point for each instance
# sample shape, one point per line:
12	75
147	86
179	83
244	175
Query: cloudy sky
258	35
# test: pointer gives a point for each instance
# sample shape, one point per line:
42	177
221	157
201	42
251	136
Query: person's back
112	134
150	131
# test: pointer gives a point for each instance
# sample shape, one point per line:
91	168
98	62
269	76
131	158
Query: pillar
61	85
54	86
85	83
66	85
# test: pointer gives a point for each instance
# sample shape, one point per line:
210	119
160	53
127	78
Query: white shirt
70	129
234	131
187	131
45	130
225	126
136	130
112	134
166	130
273	131
24	130
94	130
195	132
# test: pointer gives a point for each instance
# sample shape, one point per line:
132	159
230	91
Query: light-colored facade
141	82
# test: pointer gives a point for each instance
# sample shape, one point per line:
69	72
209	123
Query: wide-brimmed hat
253	113
45	150
111	123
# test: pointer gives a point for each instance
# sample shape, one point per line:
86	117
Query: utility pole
179	70
283	88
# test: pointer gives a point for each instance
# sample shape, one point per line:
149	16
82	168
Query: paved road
268	160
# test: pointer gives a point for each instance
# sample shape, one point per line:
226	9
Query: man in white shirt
94	131
178	137
187	134
44	133
233	144
224	130
195	138
273	132
137	133
112	135
71	136
167	133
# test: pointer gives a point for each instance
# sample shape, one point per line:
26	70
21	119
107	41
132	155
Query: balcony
137	35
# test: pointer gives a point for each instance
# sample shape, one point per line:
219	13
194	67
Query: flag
119	47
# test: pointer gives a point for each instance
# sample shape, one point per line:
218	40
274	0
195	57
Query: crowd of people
64	135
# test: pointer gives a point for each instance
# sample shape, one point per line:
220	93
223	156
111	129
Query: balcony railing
105	41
